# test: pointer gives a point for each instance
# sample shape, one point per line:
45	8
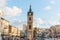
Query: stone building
8	31
15	33
4	28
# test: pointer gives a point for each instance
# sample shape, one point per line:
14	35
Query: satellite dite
0	25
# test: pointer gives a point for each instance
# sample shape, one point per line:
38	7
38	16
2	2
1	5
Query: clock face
29	13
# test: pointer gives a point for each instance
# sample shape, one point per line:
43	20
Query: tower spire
30	9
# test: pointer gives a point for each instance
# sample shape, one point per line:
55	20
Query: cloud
38	21
2	3
58	14
14	11
9	11
52	2
48	8
54	22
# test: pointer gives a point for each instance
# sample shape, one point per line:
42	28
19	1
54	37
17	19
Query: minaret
30	24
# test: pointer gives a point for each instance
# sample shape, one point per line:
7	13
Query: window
29	26
9	28
29	18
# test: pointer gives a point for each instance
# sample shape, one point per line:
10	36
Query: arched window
29	26
29	18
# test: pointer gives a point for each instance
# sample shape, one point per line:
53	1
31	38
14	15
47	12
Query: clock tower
30	24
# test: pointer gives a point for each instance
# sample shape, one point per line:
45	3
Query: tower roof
30	10
4	19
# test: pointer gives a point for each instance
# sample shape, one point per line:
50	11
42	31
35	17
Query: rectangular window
9	28
29	26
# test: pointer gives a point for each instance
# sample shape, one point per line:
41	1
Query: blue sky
46	12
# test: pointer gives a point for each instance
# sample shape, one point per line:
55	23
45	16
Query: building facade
4	28
8	32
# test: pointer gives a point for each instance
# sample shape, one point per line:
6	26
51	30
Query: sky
46	12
